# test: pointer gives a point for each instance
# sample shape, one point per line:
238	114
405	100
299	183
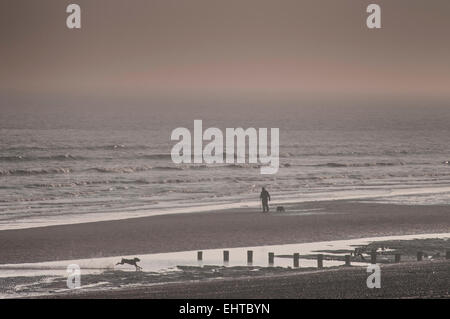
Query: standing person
265	198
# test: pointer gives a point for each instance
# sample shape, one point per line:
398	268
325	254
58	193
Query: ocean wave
131	169
70	148
120	169
180	167
333	164
86	183
169	168
242	165
114	147
156	156
60	157
35	171
70	157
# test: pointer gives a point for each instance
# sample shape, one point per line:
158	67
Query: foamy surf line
35	222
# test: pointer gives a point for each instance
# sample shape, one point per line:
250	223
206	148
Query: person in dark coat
265	198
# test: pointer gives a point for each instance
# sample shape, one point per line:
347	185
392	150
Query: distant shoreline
225	204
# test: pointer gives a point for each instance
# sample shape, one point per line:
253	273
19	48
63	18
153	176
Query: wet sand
427	279
330	220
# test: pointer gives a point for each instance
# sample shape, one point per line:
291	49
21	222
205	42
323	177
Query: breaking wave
61	157
35	171
359	164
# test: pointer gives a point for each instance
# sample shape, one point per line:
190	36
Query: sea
64	164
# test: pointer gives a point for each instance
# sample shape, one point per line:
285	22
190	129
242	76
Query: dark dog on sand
280	209
132	262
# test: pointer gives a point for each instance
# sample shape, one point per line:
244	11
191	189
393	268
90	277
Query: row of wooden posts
296	257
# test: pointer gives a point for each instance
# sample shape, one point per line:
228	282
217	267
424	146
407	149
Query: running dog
280	209
132	262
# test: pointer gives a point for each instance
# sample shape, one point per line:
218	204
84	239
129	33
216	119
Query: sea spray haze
84	160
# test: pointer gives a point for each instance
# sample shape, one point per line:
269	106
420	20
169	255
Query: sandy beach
332	220
301	223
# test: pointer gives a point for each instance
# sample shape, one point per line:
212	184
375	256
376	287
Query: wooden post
296	257
320	261
419	256
249	257
271	259
199	255
226	256
447	254
373	257
347	260
397	258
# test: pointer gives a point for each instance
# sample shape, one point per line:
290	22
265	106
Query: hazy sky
145	47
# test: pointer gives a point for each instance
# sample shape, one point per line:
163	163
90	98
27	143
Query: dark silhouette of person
265	198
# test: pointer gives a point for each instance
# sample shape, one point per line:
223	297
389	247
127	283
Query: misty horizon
210	48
